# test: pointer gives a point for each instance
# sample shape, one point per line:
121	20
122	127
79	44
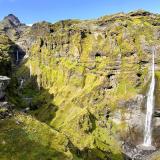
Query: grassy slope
23	137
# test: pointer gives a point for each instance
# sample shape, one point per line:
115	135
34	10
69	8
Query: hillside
78	88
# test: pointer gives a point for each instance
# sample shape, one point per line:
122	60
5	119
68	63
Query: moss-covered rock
81	76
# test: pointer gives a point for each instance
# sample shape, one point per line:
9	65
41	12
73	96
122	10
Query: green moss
87	46
106	142
30	140
79	71
5	51
157	74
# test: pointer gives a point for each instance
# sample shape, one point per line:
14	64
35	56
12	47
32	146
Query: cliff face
87	81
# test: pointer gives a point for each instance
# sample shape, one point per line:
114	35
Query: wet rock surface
157	113
133	152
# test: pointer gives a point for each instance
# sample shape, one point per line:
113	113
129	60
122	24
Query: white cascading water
21	83
30	69
17	57
150	106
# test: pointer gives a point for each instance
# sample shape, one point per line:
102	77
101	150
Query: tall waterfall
150	106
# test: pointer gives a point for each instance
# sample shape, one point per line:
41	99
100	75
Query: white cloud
29	25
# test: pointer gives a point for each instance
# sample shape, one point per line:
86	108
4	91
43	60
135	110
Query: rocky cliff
81	84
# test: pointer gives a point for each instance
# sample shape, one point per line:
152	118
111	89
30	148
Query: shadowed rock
4	81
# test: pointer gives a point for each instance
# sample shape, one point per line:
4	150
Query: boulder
6	110
157	113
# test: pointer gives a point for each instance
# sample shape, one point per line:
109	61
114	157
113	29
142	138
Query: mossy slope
88	68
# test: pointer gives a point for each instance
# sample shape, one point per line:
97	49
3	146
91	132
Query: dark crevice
139	74
110	75
97	54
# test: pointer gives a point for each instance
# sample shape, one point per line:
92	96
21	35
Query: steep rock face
5	52
107	63
5	107
11	30
88	79
13	19
4	81
12	27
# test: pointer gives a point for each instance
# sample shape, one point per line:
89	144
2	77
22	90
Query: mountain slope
88	80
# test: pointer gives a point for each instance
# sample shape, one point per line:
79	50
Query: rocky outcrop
4	81
12	27
6	110
140	13
157	113
13	19
5	107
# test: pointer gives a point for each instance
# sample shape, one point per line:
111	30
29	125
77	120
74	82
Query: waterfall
17	56
30	70
150	106
21	83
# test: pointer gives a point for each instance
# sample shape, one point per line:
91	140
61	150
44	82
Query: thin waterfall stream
17	57
150	107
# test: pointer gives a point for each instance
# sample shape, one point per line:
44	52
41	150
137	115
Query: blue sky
30	11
